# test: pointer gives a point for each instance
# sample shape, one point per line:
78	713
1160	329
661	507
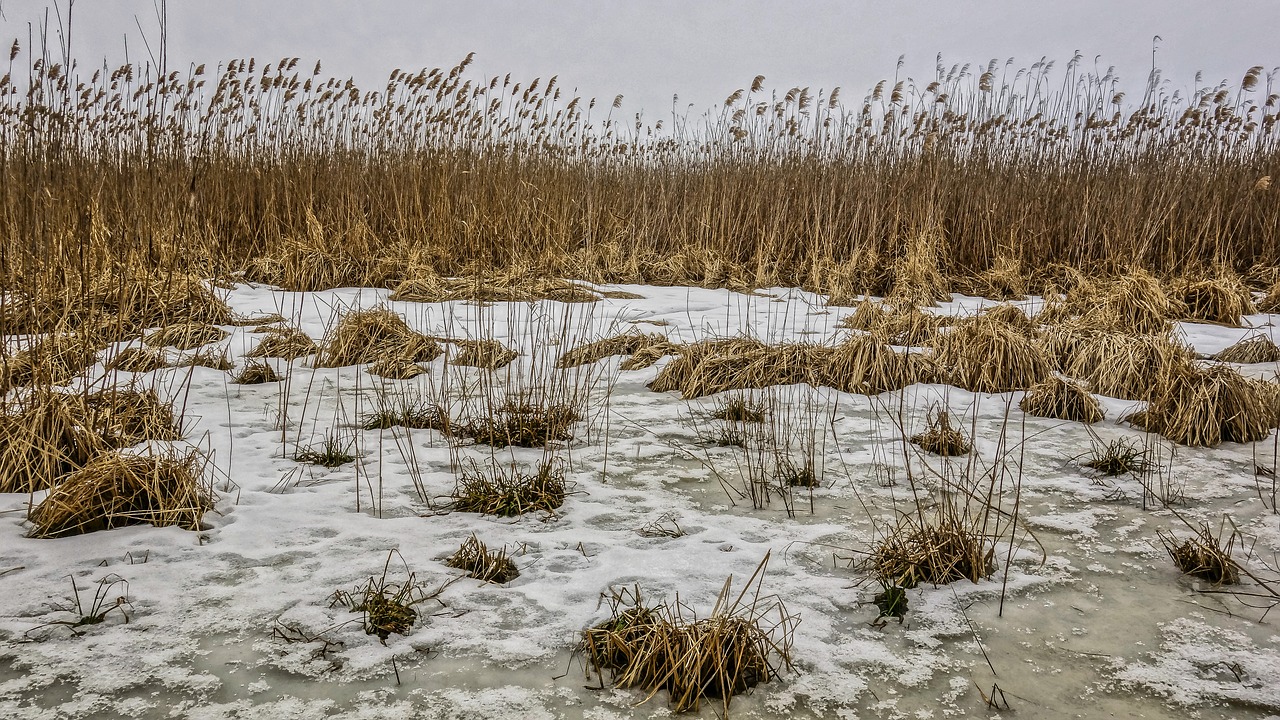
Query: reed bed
185	336
1117	364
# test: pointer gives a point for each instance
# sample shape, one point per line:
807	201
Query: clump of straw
368	336
1221	299
982	354
1254	349
185	336
508	492
287	343
948	545
1063	400
115	489
256	372
137	360
483	564
941	438
1204	555
1205	406
487	354
626	344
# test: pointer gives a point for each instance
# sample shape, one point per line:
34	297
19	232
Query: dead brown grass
287	343
629	343
115	490
1202	406
52	360
982	354
368	336
1204	555
1117	364
940	437
481	563
513	286
185	336
1063	400
1253	349
487	354
137	360
1221	298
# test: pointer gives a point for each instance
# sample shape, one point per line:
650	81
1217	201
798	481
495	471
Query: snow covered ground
1091	619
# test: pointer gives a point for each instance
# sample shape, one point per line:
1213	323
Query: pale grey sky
702	50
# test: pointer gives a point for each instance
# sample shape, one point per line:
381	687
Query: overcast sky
700	49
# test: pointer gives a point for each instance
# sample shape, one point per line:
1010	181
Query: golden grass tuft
287	343
185	336
1223	299
367	336
908	326
481	563
914	277
937	548
487	354
396	368
137	360
744	642
982	354
52	360
215	359
739	410
628	343
1004	280
521	423
508	492
1204	556
115	490
1134	303
490	287
940	438
1011	315
256	372
1117	364
1254	349
123	417
1201	406
1063	400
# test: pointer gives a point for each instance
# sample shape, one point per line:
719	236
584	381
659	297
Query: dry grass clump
982	354
487	354
185	336
256	372
334	451
744	642
137	360
53	360
1223	299
400	411
1004	280
908	326
287	343
1270	303
1011	315
1120	365
367	336
941	438
483	564
516	286
860	364
1135	303
215	359
1121	456
1206	406
43	436
123	417
396	368
114	490
1256	349
936	548
914	278
1204	555
1063	400
508	492
626	344
522	423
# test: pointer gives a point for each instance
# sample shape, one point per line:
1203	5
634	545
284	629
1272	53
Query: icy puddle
1085	616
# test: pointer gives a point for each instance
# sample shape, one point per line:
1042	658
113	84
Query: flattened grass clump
626	344
1063	400
739	646
123	417
481	563
368	336
256	372
1123	366
946	546
941	438
1204	556
53	360
401	412
115	490
907	326
1206	406
522	423
287	343
860	364
487	354
1254	349
185	336
396	368
214	359
1124	455
137	360
1011	315
1222	299
1134	303
508	492
982	354
492	288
